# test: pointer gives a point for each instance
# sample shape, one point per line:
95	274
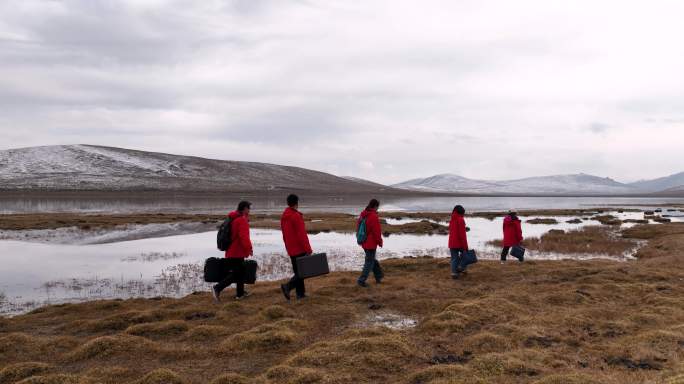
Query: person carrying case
312	265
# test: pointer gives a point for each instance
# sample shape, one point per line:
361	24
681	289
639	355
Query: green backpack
361	233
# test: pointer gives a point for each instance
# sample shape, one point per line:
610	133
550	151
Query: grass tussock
607	219
231	378
568	379
110	374
59	378
275	312
547	322
486	342
161	376
159	329
440	374
111	346
203	333
293	375
358	355
19	371
265	337
547	221
113	323
501	364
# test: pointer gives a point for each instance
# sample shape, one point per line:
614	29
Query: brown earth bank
542	322
316	222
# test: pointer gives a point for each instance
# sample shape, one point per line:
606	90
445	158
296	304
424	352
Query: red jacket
373	231
457	232
294	232
512	232
240	244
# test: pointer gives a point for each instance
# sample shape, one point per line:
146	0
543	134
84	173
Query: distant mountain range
96	168
581	184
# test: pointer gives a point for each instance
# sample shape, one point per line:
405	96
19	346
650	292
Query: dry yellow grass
539	322
586	240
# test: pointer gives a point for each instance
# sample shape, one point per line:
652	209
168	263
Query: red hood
509	219
234	215
367	212
289	211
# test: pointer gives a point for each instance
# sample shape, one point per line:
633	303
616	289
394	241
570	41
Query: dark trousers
504	253
371	264
295	282
456	257
236	274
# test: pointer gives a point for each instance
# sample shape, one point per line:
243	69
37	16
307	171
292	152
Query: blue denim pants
456	256
371	264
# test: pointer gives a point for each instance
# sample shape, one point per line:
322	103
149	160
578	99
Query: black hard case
312	265
216	269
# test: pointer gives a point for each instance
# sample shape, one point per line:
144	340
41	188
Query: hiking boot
503	262
379	281
521	259
244	295
362	284
302	297
454	277
286	291
216	294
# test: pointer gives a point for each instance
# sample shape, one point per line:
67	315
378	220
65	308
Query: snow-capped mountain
559	184
450	183
660	184
88	167
364	181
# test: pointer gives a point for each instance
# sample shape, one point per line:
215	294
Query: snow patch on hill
558	184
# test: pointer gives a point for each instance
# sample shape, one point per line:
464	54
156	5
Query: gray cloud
487	90
599	128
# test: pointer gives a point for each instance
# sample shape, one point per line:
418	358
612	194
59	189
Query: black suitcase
251	267
214	270
469	257
312	265
518	252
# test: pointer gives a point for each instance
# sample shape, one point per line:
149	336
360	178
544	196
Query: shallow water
35	274
150	203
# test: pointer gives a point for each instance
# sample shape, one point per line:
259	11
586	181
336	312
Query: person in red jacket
512	232
296	243
458	240
371	243
240	248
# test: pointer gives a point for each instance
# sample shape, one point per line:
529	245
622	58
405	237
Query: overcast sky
384	90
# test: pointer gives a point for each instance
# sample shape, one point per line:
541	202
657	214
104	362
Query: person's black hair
373	204
244	205
292	200
459	209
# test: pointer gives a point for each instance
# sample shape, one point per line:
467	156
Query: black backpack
223	237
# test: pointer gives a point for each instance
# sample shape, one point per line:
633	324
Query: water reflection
350	204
